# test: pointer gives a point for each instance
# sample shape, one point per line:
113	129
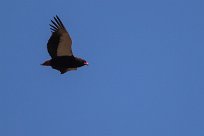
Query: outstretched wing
60	42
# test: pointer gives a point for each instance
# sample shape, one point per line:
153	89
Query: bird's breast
63	62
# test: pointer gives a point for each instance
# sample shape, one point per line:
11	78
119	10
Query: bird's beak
86	63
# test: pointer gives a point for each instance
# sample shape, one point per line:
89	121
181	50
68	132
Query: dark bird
59	47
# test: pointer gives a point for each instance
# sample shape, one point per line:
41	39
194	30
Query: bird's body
59	48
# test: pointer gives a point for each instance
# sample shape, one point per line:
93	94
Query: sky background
145	76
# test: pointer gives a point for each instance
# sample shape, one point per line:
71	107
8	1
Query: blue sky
145	76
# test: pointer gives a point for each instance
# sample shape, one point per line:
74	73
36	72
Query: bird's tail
46	63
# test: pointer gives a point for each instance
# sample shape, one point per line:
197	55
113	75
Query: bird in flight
59	47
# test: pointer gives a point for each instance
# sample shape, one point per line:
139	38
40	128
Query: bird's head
86	63
81	62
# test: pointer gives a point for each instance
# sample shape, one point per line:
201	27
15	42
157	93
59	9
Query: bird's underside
63	63
64	70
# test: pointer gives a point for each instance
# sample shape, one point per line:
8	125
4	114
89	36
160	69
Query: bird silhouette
59	47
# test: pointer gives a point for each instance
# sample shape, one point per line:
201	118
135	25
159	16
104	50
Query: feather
55	24
60	21
55	28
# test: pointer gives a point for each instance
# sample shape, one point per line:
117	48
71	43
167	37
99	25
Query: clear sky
145	76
